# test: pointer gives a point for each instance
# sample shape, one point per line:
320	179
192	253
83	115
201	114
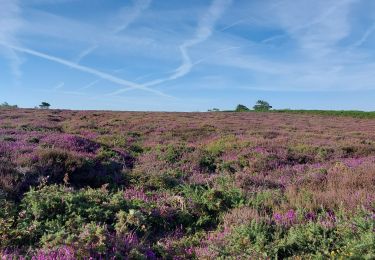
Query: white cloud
10	23
126	17
123	20
88	70
316	25
364	37
204	30
59	86
307	45
42	2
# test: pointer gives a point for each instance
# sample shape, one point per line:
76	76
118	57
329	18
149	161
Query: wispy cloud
10	23
204	30
41	2
317	26
364	37
86	69
89	85
187	47
126	18
123	20
59	86
155	82
86	52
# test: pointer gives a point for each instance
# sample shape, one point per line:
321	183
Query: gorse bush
324	238
208	204
91	221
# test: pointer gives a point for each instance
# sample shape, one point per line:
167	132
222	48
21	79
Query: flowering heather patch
126	185
70	142
63	252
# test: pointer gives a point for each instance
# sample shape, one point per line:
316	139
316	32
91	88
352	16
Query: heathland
139	185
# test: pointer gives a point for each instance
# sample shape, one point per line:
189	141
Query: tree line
6	105
260	105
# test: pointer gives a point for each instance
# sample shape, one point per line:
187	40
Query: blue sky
170	55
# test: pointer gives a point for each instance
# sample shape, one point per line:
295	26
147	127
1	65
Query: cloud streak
10	23
204	30
123	21
59	86
364	38
88	70
321	26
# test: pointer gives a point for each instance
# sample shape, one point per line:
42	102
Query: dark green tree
44	105
262	105
242	108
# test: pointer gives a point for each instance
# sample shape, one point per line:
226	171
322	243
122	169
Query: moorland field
134	185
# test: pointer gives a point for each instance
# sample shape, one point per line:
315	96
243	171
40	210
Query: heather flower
353	162
310	216
150	254
278	217
287	218
65	252
70	142
291	216
269	154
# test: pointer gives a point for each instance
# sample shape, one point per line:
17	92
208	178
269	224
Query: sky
169	55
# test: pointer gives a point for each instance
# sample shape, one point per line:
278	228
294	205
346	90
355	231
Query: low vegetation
127	185
5	105
346	113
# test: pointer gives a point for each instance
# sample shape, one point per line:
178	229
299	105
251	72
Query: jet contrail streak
88	70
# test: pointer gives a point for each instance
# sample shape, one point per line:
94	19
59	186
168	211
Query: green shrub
54	213
209	204
344	238
166	179
207	162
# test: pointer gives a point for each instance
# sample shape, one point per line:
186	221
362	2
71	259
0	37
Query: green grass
347	113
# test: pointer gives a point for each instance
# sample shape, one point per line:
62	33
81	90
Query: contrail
139	7
217	52
152	83
88	70
94	82
89	85
364	38
204	31
313	22
59	86
86	52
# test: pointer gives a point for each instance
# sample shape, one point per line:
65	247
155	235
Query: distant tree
214	110
242	108
44	105
7	106
262	105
